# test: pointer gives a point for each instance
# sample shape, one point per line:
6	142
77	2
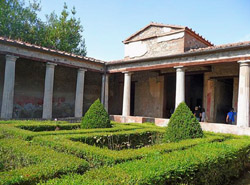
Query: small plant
183	125
96	117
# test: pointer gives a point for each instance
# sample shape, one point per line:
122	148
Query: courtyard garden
58	152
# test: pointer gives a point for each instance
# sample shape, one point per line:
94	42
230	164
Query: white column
79	92
180	85
48	91
244	94
126	94
105	91
8	88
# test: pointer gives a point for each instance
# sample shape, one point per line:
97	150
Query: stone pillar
126	94
48	91
244	94
105	91
79	92
180	85
8	88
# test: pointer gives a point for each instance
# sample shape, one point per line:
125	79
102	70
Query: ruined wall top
162	39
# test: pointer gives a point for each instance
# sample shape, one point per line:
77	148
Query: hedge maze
33	152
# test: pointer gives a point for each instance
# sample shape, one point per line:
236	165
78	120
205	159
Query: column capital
11	58
179	68
128	72
82	70
244	62
50	64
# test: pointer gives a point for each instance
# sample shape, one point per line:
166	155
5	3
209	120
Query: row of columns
243	110
9	83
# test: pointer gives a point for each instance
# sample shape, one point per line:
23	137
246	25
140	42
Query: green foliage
96	117
33	163
65	155
103	156
64	32
209	163
183	125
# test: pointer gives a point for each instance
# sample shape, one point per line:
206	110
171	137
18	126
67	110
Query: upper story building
162	39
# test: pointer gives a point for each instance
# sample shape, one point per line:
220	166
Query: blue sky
108	22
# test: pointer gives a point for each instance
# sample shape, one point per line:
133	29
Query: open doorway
194	90
223	98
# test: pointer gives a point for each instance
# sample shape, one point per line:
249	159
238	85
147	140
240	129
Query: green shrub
96	117
209	163
27	163
103	156
183	125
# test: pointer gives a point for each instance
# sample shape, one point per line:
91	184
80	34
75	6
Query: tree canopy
61	32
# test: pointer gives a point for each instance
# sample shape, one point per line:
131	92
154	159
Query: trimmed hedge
31	122
96	117
100	156
48	127
210	163
121	140
13	130
183	125
35	163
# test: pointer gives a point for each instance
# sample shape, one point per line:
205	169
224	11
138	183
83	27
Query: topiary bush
183	125
96	117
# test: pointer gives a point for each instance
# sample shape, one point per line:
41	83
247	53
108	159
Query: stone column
48	91
105	91
8	88
244	94
79	92
180	85
126	94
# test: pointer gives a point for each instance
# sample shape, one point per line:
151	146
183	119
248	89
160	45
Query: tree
183	125
63	32
20	22
96	117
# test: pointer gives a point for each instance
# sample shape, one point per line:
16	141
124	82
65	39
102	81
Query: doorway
223	98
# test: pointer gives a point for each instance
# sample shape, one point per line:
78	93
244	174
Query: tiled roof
223	46
21	43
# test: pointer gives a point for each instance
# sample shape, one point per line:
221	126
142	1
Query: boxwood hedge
209	163
34	163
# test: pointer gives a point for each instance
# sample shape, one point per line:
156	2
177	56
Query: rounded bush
96	117
183	125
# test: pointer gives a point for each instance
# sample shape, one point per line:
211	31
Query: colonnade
243	110
9	83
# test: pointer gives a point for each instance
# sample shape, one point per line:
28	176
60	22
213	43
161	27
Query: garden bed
124	154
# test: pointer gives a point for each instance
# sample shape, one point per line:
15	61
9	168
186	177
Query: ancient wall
92	89
192	42
29	89
116	93
153	31
2	69
214	88
149	89
155	47
64	92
